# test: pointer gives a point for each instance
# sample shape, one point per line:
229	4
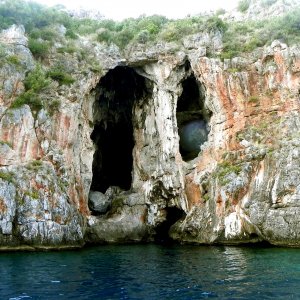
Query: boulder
98	202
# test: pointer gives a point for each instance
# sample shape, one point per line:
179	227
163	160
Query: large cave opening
192	117
117	93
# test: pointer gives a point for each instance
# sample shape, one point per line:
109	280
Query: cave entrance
117	93
192	117
173	214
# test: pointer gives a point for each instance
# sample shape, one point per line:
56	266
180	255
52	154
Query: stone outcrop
243	186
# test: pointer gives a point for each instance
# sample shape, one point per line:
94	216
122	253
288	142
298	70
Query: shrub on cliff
39	22
30	98
139	30
123	37
37	92
70	33
36	80
105	36
143	36
47	34
241	37
35	83
285	28
176	30
243	5
39	49
7	176
60	76
13	59
215	24
30	14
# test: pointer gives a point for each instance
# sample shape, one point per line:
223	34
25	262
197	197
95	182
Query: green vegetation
233	70
29	98
224	169
95	67
141	30
176	30
35	82
285	28
205	197
41	40
7	176
71	34
13	59
60	76
38	48
40	21
30	14
47	34
243	5
34	194
2	51
34	165
44	28
253	99
241	37
9	144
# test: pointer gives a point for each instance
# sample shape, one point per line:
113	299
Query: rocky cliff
163	142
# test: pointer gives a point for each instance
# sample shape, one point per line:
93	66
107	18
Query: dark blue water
152	272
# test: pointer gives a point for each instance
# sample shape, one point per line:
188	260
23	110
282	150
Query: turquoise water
152	272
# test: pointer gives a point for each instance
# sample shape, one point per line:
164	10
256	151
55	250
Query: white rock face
157	143
233	226
14	35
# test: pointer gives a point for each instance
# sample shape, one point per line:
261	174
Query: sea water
152	272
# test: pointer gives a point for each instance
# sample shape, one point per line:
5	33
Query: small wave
20	297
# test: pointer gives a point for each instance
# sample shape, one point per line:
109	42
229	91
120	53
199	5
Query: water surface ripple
152	272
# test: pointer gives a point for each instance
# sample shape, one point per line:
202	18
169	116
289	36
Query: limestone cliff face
242	185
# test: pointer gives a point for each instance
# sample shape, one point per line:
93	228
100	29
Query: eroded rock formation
116	138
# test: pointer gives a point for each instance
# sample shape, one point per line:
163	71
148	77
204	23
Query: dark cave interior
173	214
118	91
192	118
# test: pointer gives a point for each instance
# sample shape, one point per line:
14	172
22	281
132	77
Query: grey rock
99	202
14	35
126	226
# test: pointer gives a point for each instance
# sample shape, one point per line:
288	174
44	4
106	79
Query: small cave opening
173	214
117	93
192	117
